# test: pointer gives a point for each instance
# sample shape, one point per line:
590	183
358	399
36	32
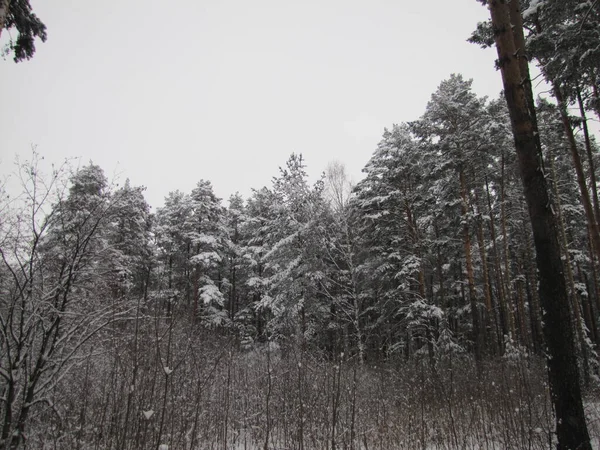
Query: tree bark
573	301
508	312
563	371
477	336
498	273
585	194
522	322
489	312
590	157
534	307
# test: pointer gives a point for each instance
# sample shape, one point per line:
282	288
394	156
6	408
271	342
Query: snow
210	293
534	6
255	282
206	239
206	258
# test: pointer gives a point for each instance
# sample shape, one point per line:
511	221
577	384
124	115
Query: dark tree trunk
508	313
563	372
489	312
573	301
473	301
590	157
500	318
533	294
583	189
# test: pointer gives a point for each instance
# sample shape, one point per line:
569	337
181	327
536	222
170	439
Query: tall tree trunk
355	293
522	322
412	227
508	306
233	291
534	306
596	103
9	398
489	312
594	276
565	248
497	269
590	157
585	194
477	336
563	371
588	316
441	293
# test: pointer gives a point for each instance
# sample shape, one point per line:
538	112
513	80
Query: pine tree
174	248
564	378
207	236
395	221
291	295
130	235
18	14
452	126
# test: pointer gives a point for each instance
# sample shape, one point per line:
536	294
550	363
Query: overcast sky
168	93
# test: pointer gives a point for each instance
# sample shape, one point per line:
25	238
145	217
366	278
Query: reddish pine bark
563	372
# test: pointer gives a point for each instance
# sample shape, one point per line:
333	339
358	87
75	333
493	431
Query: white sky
168	93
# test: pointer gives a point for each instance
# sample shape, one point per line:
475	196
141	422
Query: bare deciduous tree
45	315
